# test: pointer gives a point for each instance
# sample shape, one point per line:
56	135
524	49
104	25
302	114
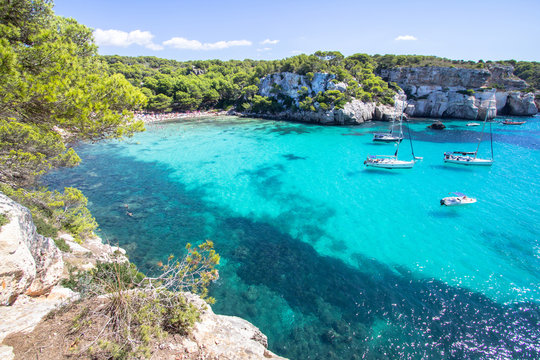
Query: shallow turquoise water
332	260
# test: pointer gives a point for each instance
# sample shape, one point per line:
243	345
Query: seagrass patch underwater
328	259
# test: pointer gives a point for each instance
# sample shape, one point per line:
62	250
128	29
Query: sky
277	29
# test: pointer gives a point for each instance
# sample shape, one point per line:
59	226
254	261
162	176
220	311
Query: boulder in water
437	125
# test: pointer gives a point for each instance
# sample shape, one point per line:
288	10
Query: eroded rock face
442	77
451	104
452	79
29	263
439	91
292	85
227	337
520	104
289	84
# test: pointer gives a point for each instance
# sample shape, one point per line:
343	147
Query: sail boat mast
466	158
482	133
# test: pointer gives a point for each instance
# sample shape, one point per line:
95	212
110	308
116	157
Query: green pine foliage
55	90
53	211
214	84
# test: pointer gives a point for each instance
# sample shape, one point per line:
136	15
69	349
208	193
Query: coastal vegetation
214	84
134	310
202	85
56	91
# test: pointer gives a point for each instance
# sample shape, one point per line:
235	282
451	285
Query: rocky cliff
290	85
447	92
436	92
31	267
30	264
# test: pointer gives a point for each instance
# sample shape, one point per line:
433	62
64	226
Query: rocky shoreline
32	266
429	92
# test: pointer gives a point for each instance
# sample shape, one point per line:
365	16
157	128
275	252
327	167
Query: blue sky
276	29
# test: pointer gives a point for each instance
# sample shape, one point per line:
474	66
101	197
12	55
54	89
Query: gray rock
520	104
354	112
442	77
452	104
416	79
289	84
227	337
502	75
26	313
29	262
434	91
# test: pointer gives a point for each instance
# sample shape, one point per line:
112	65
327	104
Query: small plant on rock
137	309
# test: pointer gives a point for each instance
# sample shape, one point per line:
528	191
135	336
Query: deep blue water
330	260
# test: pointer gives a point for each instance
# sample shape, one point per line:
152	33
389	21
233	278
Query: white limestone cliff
29	263
354	112
440	92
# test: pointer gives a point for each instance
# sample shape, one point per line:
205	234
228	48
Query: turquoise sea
329	259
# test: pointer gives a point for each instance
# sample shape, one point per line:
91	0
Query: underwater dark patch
437	318
293	157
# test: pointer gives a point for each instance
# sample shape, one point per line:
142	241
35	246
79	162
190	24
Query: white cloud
269	42
183	43
264	49
124	39
405	38
296	52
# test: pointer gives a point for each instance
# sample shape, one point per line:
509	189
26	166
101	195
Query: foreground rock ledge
213	337
31	267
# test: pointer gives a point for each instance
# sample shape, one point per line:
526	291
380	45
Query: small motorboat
473	124
457	199
510	122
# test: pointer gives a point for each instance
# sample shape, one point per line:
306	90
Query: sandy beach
150	118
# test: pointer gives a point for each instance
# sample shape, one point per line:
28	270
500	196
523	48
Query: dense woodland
195	85
215	84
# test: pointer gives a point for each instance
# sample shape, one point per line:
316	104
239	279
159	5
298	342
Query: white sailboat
392	161
471	157
388	137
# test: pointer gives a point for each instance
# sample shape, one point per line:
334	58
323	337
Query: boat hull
390	164
457	201
384	138
470	162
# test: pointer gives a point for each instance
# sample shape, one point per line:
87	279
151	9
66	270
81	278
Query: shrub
62	245
4	219
52	209
139	309
466	92
44	228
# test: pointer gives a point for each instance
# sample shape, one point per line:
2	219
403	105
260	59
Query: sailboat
392	161
388	137
471	157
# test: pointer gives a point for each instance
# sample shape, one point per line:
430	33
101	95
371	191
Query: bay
329	259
